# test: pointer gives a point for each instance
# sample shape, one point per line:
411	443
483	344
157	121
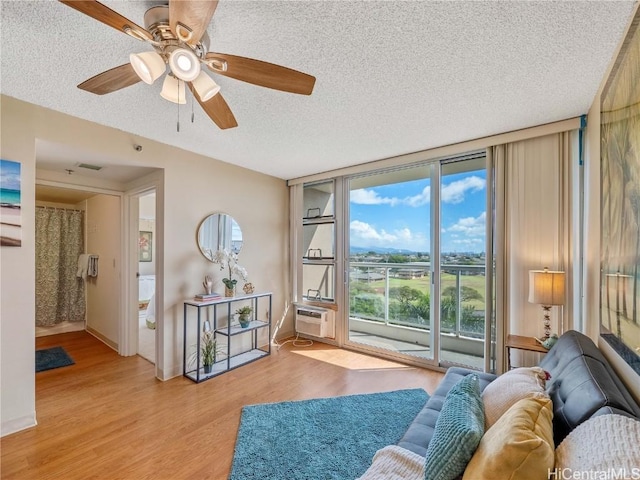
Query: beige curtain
59	243
535	208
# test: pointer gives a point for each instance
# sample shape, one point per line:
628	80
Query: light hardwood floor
107	417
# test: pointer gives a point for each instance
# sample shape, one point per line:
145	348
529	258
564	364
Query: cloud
365	231
366	235
468	242
470	226
419	200
455	191
364	196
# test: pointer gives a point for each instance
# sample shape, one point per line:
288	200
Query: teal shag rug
50	358
326	438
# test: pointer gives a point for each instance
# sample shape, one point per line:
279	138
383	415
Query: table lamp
546	288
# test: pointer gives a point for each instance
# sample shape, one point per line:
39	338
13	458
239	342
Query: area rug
51	358
326	438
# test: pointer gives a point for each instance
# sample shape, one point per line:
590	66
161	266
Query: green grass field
476	282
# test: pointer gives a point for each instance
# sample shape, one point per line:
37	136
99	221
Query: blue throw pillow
458	431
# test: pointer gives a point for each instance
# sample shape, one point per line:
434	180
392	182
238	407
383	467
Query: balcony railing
399	294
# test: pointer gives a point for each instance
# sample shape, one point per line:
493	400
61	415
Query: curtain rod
60	208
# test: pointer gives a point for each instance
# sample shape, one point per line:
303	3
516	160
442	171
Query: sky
9	175
398	215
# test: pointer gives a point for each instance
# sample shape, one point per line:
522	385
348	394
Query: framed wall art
10	204
145	247
620	202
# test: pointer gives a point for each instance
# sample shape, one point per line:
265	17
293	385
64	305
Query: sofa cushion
582	384
420	432
519	446
458	431
510	387
608	443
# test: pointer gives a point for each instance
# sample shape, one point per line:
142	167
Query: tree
404	294
466	293
397	258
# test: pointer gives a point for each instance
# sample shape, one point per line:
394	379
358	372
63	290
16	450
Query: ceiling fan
178	34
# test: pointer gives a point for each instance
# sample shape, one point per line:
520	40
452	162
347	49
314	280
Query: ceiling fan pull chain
178	121
193	116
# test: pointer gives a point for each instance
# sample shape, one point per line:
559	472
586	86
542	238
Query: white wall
194	186
102	224
17	283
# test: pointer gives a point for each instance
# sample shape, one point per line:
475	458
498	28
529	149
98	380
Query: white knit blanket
395	463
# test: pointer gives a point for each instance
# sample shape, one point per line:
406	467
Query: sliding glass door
463	296
389	280
416	259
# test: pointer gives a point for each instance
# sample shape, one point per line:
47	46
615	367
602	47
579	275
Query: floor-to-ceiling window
416	262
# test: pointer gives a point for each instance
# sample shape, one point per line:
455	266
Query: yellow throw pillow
519	446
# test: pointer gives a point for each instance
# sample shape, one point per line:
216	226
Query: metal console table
243	344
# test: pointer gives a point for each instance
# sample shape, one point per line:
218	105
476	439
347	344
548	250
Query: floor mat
50	358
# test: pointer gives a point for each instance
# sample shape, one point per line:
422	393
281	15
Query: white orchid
229	260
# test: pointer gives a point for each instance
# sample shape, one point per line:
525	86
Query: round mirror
218	232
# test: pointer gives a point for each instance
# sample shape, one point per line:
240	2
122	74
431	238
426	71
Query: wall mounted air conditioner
315	321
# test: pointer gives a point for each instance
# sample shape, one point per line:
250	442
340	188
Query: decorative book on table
203	297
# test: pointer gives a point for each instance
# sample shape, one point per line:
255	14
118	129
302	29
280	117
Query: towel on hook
83	266
92	269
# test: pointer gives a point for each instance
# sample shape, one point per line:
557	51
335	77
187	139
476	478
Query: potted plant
208	351
243	316
229	261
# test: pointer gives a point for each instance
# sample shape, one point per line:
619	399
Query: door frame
435	176
97	191
129	320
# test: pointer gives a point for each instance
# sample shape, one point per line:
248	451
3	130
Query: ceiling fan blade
217	109
189	19
104	14
261	73
111	80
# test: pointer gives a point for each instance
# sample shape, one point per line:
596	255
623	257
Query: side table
518	342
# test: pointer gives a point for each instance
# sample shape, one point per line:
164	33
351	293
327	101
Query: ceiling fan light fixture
184	64
173	90
206	87
149	66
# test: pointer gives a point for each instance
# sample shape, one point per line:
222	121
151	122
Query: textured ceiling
393	77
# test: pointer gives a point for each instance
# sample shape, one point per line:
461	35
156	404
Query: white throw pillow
509	388
395	463
607	443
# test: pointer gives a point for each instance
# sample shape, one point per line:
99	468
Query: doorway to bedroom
146	274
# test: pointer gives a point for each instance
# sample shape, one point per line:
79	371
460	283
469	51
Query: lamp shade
546	287
173	90
149	66
205	86
184	64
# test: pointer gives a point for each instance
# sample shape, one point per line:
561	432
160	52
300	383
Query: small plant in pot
244	314
208	351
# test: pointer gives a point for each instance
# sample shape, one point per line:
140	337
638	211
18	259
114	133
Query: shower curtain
59	243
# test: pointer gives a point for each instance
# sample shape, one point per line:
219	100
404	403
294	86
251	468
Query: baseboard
18	424
102	338
169	374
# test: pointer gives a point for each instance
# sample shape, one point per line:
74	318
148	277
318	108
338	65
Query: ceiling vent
88	166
